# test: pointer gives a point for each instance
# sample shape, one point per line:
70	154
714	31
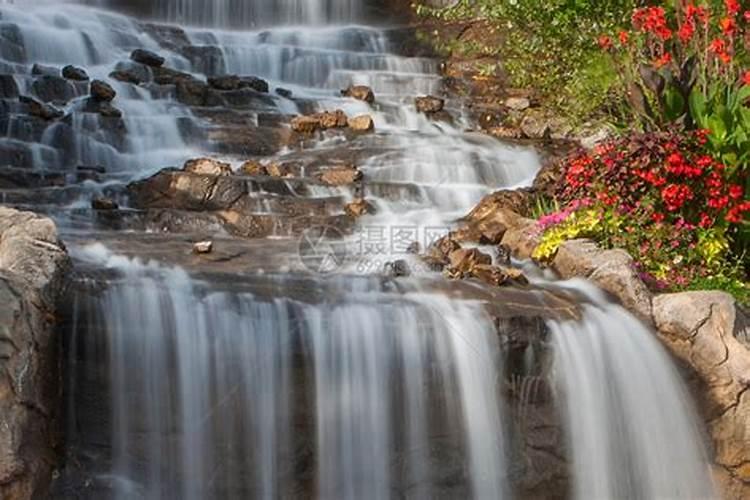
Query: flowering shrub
662	197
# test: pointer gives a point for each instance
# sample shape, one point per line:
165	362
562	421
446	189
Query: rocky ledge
708	332
33	268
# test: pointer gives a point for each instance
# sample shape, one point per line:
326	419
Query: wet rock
517	103
429	104
41	110
168	76
254	83
104	204
359	207
359	92
490	227
278	170
147	57
612	270
709	332
33	270
504	254
285	93
503	132
332	119
203	247
15	154
169	36
74	73
41	69
463	260
397	269
126	76
361	123
341	176
523	238
253	168
102	91
53	89
192	92
207	166
205	59
441	249
8	87
104	108
498	276
228	82
305	124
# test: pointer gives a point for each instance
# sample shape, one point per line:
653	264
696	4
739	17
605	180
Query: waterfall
630	423
228	394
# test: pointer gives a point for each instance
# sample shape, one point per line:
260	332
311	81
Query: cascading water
279	385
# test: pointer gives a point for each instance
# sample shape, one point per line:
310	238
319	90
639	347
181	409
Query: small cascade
228	394
631	427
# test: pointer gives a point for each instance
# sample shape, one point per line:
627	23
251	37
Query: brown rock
277	170
102	203
522	239
429	104
147	57
42	110
359	207
253	168
505	132
207	166
360	92
332	119
439	251
517	103
305	124
361	123
102	91
341	176
463	260
498	276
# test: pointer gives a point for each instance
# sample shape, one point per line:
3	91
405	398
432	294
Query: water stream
287	385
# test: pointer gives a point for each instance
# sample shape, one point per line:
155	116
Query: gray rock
41	110
53	89
8	87
74	73
517	103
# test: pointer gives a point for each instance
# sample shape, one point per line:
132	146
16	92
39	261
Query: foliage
662	197
550	46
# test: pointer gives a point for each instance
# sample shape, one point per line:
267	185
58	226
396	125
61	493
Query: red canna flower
605	42
733	7
624	37
728	26
662	61
745	78
686	32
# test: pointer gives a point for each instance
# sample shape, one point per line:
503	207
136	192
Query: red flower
662	61
706	221
747	15
624	37
736	191
657	217
728	26
605	42
692	12
718	203
733	7
675	196
745	78
686	32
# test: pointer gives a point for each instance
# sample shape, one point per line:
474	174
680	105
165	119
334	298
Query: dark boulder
192	92
8	87
228	82
104	108
147	57
53	89
205	59
255	83
74	73
103	204
169	76
42	110
132	72
102	91
41	69
429	104
286	93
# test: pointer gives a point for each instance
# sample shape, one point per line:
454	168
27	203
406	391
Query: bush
662	197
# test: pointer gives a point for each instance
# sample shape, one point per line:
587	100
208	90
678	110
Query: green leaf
674	104
697	103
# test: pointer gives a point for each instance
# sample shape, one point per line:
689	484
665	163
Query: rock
205	59
8	87
503	132
203	247
229	82
147	57
414	248
332	119
102	91
709	332
131	72
53	89
341	176
611	270
504	254
40	69
253	168
192	92
169	76
41	110
74	73
498	276
463	260
359	207
397	269
517	103
490	227
359	92
102	203
285	93
104	108
254	83
207	166
429	104
277	170
523	238
361	123
33	271
305	124
439	251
